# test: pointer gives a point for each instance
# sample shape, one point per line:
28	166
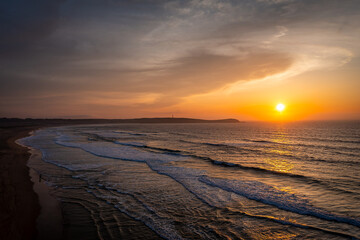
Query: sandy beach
49	223
27	209
19	204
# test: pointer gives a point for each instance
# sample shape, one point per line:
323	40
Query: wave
308	179
304	226
329	140
155	161
130	133
129	153
231	145
269	218
337	232
235	146
260	141
264	217
72	167
236	165
239	147
182	134
142	145
269	195
108	150
267	145
325	147
131	144
110	135
149	217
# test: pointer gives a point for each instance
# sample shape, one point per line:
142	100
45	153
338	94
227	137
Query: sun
280	107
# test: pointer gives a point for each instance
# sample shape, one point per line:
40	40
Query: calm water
209	181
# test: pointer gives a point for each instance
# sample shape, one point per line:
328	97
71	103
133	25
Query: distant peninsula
59	121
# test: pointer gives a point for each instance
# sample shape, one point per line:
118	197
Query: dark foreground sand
19	205
27	210
50	221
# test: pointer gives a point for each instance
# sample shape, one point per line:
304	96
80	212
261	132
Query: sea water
208	181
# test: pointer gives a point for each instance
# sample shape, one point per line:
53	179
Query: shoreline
19	204
27	208
49	223
65	219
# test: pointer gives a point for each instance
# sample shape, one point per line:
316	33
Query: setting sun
280	107
177	108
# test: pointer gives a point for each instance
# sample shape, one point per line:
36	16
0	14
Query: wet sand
49	222
19	204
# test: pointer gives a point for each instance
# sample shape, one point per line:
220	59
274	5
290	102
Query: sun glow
280	107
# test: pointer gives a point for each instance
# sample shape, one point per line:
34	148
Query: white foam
110	150
267	194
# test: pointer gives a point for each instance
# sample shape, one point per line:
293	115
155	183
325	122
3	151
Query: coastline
19	204
49	223
28	210
65	220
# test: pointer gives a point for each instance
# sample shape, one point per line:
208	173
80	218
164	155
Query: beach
28	209
19	205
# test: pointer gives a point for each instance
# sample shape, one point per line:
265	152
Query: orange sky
202	58
317	95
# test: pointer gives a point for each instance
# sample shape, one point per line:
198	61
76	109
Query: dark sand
49	222
28	211
19	205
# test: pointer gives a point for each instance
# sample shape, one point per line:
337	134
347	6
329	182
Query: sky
206	59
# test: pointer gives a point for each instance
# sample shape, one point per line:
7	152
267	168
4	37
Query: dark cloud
23	23
265	15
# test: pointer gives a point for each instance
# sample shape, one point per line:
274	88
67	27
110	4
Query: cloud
200	72
26	22
163	50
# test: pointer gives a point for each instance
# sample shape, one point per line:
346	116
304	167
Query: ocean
204	181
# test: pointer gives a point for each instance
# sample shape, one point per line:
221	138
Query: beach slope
19	206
